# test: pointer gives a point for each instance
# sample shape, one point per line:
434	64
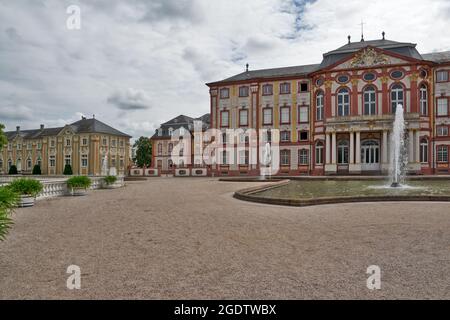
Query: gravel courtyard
187	238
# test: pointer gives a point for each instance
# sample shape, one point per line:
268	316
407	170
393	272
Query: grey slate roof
437	57
402	48
271	73
82	126
181	121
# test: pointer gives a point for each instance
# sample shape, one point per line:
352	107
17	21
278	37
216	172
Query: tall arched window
319	105
370	101
343	102
343	152
397	97
423	100
424	150
319	152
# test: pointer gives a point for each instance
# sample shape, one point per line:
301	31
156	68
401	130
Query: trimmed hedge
13	170
68	170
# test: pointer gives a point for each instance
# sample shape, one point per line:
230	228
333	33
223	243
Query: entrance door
370	155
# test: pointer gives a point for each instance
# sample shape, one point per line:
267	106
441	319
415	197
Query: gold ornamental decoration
369	57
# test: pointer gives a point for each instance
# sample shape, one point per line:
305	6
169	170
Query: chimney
349	39
42	127
18	128
246	67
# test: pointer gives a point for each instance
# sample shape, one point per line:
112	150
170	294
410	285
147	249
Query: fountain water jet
398	151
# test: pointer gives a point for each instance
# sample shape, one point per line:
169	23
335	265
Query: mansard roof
82	126
182	121
405	49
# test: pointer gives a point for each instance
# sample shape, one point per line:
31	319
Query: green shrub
79	182
37	170
109	180
26	186
8	200
67	170
13	170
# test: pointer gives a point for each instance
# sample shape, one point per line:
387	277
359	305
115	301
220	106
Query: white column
352	148
411	146
385	146
328	151
333	149
358	147
417	146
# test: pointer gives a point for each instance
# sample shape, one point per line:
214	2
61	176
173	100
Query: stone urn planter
26	201
27	189
110	182
78	185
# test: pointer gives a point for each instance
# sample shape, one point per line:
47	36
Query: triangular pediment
370	57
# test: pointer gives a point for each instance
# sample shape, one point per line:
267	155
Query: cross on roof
362	29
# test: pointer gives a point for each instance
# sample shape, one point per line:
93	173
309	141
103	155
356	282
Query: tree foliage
3	140
143	152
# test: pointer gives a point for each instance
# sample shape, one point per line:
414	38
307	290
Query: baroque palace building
336	117
90	146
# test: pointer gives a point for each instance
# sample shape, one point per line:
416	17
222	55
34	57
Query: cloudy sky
137	63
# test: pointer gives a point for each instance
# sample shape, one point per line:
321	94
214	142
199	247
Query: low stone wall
56	187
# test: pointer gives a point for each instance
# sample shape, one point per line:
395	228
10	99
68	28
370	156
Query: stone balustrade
56	187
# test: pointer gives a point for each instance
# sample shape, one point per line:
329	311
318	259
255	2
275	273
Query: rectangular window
285	136
224	121
52	161
85	142
113	161
285	157
52	143
105	142
68	142
285	88
303	87
267	90
122	162
303	136
243	117
243	157
442	107
303	114
67	159
224	157
267	116
424	151
84	160
442	76
303	157
442	131
243	91
224	93
285	115
319	153
121	143
442	154
113	143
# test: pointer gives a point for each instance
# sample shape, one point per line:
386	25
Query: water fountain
266	159
399	157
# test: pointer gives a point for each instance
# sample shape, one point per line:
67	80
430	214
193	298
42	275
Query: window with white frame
68	141
442	131
160	149
224	93
442	76
84	160
442	154
343	152
370	101
113	143
424	151
319	153
29	164
267	116
285	115
85	141
267	90
224	157
243	91
68	159
442	107
243	157
303	157
343	103
397	97
285	136
243	117
423	100
303	114
224	121
285	157
285	88
319	106
52	161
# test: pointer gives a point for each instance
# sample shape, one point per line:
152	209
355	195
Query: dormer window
170	131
